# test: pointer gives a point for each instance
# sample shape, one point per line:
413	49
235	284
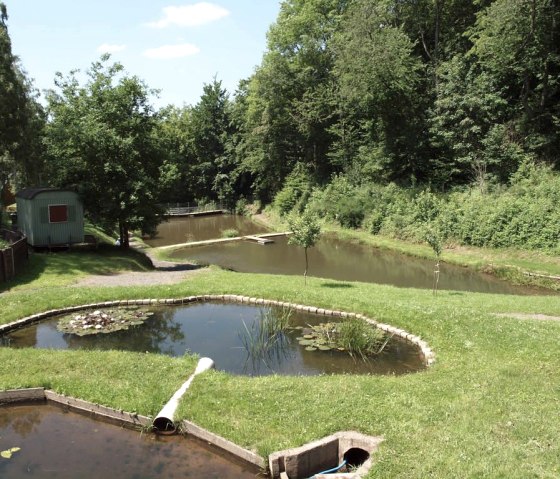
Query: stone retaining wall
429	355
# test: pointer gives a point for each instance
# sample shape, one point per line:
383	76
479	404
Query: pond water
219	331
55	444
344	261
178	230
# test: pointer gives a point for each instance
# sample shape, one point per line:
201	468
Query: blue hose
334	469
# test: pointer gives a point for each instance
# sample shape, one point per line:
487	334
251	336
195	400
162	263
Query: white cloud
108	48
172	51
190	15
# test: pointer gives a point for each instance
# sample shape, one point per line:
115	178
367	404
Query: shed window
58	213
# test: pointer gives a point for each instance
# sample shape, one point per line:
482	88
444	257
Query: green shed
50	216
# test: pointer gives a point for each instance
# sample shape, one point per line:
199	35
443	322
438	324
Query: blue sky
175	47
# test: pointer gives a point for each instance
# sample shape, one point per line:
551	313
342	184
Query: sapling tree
434	239
305	233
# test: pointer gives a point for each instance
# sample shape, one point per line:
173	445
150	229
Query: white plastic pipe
164	422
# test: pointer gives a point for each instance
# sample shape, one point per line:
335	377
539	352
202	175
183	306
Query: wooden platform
258	239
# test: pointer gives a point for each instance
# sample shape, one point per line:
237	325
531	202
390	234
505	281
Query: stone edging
429	355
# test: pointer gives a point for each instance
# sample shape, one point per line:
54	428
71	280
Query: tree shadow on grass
67	264
337	285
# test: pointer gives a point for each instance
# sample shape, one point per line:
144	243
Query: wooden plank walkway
186	212
258	239
220	240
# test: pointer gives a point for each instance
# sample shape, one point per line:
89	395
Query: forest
409	118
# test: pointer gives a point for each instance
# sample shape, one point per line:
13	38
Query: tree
210	127
517	43
21	116
305	233
289	109
379	77
101	142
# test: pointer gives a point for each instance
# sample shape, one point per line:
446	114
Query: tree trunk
306	264
123	233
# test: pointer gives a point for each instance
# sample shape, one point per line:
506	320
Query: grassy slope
490	407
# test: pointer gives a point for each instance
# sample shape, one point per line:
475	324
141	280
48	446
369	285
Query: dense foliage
100	141
398	116
21	116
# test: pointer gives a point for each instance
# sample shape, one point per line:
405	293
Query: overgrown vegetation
524	214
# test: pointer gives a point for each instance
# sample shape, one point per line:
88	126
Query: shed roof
30	193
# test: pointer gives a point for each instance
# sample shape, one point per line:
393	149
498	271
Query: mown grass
489	407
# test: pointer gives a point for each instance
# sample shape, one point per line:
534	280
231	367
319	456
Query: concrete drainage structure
325	454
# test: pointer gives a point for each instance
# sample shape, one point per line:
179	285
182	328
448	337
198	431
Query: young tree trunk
123	233
306	264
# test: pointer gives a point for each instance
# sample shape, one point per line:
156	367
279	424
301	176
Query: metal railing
176	209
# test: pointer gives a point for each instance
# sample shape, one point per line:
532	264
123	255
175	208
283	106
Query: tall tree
517	43
379	78
210	127
101	142
21	116
289	111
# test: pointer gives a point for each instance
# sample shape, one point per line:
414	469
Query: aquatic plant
353	336
266	338
230	233
107	321
358	337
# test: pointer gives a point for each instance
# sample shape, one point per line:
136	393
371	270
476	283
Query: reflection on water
344	261
216	330
200	228
64	445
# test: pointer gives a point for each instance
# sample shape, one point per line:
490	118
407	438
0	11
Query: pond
221	331
54	444
186	229
344	261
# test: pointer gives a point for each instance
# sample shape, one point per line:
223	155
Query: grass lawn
489	407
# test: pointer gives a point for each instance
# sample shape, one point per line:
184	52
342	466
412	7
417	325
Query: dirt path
165	272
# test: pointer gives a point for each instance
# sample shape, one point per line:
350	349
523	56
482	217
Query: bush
296	188
526	214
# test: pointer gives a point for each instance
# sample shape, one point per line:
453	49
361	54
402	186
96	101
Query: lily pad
310	348
306	342
7	454
106	321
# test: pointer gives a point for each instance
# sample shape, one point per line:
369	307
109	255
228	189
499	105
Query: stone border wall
429	355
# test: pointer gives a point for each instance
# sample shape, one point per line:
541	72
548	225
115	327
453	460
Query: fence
14	257
175	209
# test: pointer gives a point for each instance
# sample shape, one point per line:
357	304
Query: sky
175	47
